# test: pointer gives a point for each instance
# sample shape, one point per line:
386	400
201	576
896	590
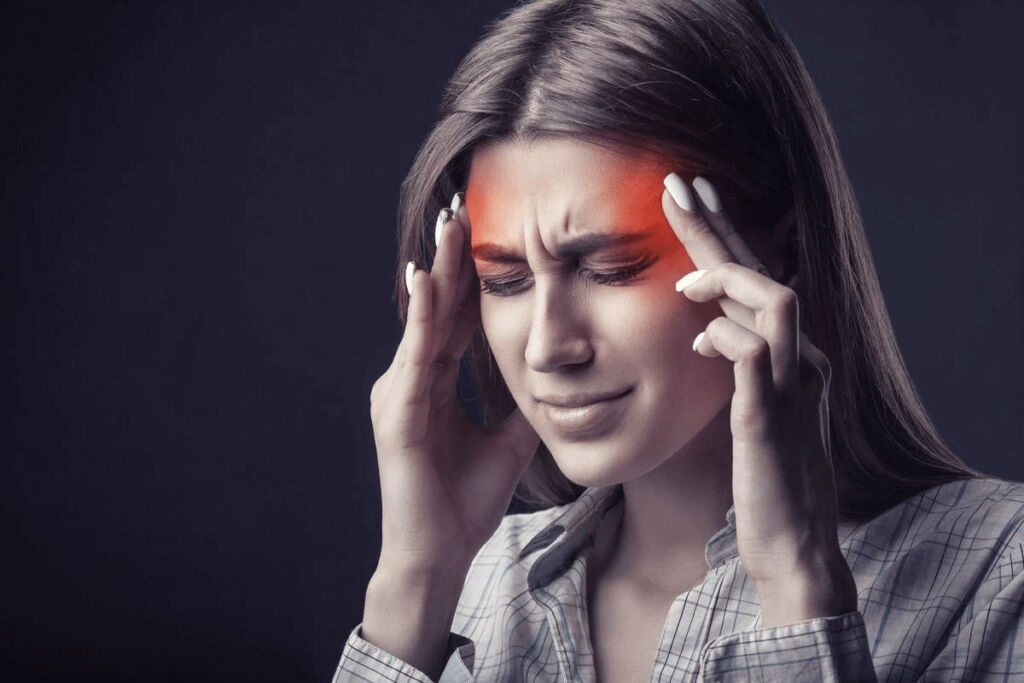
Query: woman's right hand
445	483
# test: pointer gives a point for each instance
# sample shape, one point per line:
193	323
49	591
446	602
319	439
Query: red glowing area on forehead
569	185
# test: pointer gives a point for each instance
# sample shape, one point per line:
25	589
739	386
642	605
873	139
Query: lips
580	399
584	414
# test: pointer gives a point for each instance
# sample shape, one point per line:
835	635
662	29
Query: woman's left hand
782	480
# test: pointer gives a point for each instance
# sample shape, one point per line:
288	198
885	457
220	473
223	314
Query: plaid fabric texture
940	581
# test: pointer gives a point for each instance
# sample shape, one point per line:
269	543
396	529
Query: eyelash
505	288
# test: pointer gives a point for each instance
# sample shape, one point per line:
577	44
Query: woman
683	360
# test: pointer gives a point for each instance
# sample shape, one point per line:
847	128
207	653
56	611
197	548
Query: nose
558	336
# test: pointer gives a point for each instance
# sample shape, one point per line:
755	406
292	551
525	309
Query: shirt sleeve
833	649
987	643
364	661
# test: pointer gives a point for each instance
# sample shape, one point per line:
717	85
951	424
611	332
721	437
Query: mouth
581	414
581	399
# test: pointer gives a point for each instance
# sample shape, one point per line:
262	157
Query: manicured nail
680	193
410	269
696	341
443	217
689	279
457	201
707	194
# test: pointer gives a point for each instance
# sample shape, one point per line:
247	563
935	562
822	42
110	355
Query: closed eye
512	286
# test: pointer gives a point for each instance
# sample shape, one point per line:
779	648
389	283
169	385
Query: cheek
652	324
652	331
506	325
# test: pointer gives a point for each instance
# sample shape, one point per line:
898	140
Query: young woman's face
577	265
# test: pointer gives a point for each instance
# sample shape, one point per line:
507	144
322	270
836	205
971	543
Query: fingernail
680	193
443	217
689	279
410	269
696	341
457	201
707	194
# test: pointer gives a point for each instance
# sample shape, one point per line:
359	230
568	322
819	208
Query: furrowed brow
577	247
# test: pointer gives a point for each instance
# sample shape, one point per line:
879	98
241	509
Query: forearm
409	614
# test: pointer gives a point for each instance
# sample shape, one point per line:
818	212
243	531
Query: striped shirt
940	581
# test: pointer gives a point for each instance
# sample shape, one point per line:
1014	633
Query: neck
657	536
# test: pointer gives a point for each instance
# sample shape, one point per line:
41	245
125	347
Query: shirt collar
556	546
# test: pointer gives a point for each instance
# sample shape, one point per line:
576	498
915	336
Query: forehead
561	186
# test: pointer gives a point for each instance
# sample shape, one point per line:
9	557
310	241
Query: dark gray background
198	230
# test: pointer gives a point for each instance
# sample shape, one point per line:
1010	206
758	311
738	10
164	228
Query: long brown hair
717	86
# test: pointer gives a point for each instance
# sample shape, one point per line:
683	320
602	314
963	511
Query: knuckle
757	353
712	327
729	267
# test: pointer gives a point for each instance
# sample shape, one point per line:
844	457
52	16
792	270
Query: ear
786	270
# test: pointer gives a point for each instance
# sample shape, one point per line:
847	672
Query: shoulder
984	506
972	523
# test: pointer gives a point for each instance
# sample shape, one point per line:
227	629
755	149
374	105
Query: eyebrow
577	247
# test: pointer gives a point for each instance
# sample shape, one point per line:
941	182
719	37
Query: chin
605	464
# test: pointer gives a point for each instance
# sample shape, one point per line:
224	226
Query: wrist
391	575
409	612
808	594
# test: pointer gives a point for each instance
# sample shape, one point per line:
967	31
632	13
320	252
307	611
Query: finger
463	314
466	322
466	305
467	272
446	363
752	369
711	208
413	357
445	275
768	309
693	231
